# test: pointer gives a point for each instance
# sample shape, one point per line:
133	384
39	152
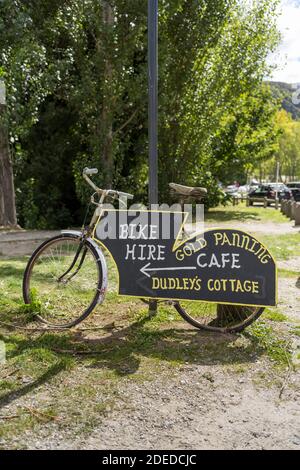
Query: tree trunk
8	217
260	173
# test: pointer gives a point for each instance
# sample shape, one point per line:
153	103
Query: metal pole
153	110
277	179
153	97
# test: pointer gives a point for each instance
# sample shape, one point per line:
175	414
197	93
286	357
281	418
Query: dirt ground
209	405
202	407
224	393
267	227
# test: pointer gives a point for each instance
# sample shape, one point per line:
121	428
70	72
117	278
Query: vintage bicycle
67	276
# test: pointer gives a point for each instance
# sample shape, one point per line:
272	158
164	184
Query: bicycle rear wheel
64	279
218	317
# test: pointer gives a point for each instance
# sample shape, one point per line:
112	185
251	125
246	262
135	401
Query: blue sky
288	53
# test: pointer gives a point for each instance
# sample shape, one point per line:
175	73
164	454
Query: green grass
11	302
274	315
296	330
278	349
242	213
288	273
282	247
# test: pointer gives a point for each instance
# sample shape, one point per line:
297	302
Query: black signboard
156	259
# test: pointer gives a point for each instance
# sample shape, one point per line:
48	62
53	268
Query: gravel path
199	407
268	228
193	412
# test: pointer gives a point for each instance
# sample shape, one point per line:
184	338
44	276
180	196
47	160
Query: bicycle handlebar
107	192
90	171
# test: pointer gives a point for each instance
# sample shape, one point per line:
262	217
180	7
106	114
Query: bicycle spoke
63	299
212	316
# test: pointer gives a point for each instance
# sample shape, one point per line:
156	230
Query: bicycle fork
77	254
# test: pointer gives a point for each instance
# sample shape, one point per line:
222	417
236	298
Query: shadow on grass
125	347
122	350
45	377
11	270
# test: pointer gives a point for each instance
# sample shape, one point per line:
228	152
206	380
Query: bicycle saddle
188	190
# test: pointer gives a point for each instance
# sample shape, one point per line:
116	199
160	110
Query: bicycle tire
99	290
213	325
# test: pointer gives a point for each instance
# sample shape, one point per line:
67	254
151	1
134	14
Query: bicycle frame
86	235
226	315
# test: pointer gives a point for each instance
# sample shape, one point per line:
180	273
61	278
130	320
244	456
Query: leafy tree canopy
76	76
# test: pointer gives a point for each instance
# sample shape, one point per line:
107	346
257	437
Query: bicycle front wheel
63	280
218	317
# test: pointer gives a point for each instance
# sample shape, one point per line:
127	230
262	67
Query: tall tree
77	78
228	63
247	136
8	216
287	153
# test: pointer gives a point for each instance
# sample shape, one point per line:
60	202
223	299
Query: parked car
244	190
253	185
296	194
294	186
232	190
269	191
283	191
